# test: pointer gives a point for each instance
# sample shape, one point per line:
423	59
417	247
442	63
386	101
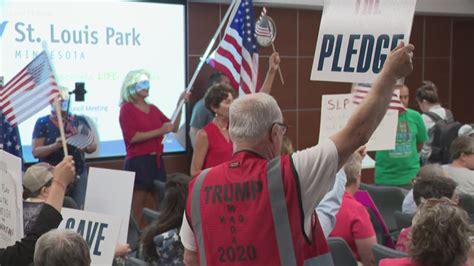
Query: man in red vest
258	208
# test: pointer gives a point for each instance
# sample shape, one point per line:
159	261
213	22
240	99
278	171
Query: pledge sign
356	36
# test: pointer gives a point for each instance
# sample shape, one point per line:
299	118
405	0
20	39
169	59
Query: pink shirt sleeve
402	241
362	226
162	117
127	123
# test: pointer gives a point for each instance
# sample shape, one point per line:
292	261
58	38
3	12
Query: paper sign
11	202
336	109
110	192
356	36
98	230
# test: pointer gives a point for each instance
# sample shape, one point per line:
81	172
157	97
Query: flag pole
204	58
56	104
279	69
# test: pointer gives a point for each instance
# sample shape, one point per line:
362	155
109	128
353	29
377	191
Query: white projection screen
97	43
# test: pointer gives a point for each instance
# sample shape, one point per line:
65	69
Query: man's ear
273	133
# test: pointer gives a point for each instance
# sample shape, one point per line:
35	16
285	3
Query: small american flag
359	91
83	138
263	28
31	90
237	54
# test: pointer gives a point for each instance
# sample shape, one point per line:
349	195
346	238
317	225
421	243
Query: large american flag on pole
360	91
237	55
31	90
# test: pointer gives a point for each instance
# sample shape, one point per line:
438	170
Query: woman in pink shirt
213	145
143	127
440	236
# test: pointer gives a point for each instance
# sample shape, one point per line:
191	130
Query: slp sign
356	36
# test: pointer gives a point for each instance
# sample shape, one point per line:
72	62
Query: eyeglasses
284	127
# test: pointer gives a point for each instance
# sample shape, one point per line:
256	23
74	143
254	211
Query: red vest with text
248	212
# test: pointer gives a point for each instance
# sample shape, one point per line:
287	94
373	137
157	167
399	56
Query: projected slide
97	43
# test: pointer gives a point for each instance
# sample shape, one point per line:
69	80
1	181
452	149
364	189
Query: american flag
9	138
359	91
262	28
83	138
237	54
31	90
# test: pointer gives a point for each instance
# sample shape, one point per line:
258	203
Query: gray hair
61	247
251	117
431	170
353	168
460	145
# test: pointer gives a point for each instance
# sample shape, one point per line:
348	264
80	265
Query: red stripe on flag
230	57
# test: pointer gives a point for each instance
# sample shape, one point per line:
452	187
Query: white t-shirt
463	177
437	109
316	168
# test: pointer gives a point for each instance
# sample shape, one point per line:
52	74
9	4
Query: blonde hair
128	92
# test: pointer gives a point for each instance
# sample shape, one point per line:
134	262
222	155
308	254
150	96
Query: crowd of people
250	198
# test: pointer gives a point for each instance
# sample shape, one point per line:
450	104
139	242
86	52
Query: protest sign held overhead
355	38
100	232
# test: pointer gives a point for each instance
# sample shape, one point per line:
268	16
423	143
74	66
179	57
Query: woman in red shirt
213	145
440	236
143	127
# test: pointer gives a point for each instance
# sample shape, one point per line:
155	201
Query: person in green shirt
399	167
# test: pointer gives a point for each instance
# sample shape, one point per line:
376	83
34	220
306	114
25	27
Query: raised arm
273	65
368	115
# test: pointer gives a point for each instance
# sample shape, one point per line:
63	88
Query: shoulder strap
449	115
434	116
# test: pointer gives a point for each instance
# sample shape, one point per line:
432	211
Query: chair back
150	215
341	252
134	233
388	200
382	252
403	220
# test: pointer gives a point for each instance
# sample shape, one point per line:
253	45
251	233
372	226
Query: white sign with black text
336	109
11	201
355	37
110	192
98	230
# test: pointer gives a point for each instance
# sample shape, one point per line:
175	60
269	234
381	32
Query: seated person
37	182
160	241
440	236
61	247
428	170
461	169
466	130
425	188
329	206
353	221
21	253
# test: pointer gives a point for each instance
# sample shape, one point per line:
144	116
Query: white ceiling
435	7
